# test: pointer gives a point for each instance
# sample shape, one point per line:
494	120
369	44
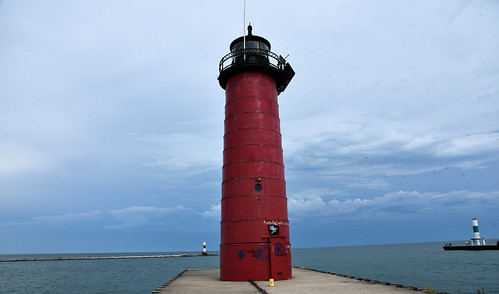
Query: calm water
424	265
420	265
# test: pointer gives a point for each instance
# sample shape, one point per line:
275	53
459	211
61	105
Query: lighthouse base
256	261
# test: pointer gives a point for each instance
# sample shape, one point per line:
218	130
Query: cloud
145	209
185	153
391	104
71	217
405	204
475	144
142	216
213	213
125	218
361	151
20	159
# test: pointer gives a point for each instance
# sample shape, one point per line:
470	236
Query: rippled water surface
95	276
424	265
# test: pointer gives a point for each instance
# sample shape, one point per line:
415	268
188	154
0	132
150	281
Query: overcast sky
111	121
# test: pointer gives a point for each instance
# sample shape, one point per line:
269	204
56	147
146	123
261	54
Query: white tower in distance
477	240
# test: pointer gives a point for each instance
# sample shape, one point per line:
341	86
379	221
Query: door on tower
280	258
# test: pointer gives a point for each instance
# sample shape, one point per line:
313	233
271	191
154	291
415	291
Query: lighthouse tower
476	240
254	226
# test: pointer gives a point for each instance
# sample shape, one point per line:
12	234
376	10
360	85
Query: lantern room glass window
250	45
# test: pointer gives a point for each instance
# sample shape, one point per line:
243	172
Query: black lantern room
252	52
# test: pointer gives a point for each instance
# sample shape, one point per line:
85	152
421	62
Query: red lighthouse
254	227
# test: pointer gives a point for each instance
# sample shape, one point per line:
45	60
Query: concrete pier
303	281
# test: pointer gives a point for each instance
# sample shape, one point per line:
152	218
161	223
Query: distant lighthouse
477	240
254	226
204	249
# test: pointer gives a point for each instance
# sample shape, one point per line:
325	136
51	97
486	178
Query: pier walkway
303	281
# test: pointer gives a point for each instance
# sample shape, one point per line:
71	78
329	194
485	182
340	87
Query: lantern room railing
252	56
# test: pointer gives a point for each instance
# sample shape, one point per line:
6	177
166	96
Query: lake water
422	265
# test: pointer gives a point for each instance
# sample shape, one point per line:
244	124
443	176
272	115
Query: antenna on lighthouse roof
244	26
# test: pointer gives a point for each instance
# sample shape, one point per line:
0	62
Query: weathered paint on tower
254	226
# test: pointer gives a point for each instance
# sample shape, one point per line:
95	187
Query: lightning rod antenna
244	26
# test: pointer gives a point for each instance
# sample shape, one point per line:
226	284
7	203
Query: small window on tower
258	187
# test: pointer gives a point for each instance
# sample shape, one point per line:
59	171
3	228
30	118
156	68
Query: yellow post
271	282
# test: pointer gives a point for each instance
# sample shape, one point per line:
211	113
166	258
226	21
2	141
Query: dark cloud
115	107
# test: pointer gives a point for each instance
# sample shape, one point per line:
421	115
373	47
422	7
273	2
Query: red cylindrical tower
254	227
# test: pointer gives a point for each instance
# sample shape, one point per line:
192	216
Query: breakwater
101	257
